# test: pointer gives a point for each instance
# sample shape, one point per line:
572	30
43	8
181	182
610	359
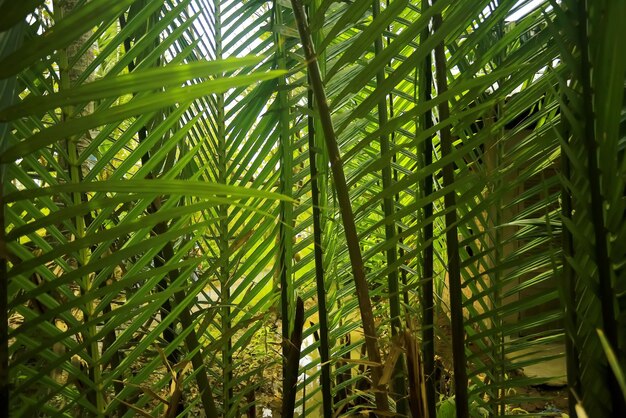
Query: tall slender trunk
325	377
71	67
168	253
327	400
427	295
292	363
224	233
569	282
399	386
452	239
168	334
345	206
498	349
286	187
602	259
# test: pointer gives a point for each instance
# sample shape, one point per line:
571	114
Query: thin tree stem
224	233
168	334
327	400
399	386
292	363
167	253
191	339
452	239
345	206
428	294
317	179
602	259
569	281
95	395
286	183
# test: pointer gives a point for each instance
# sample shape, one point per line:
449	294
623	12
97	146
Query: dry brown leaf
146	390
390	364
359	361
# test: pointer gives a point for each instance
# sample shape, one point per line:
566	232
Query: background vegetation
167	196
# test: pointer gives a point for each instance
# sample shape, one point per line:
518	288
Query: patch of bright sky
527	6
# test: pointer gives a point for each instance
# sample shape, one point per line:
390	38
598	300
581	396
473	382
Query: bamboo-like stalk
286	185
110	338
593	174
602	259
224	234
167	253
168	334
292	362
345	206
95	395
569	282
452	239
399	385
498	348
317	182
191	341
325	382
428	294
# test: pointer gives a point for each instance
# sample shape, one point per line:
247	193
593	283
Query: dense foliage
177	174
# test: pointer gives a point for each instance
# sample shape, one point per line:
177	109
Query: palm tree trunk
71	67
168	334
452	239
325	382
318	185
399	386
569	291
345	206
224	234
428	295
602	259
286	186
292	363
